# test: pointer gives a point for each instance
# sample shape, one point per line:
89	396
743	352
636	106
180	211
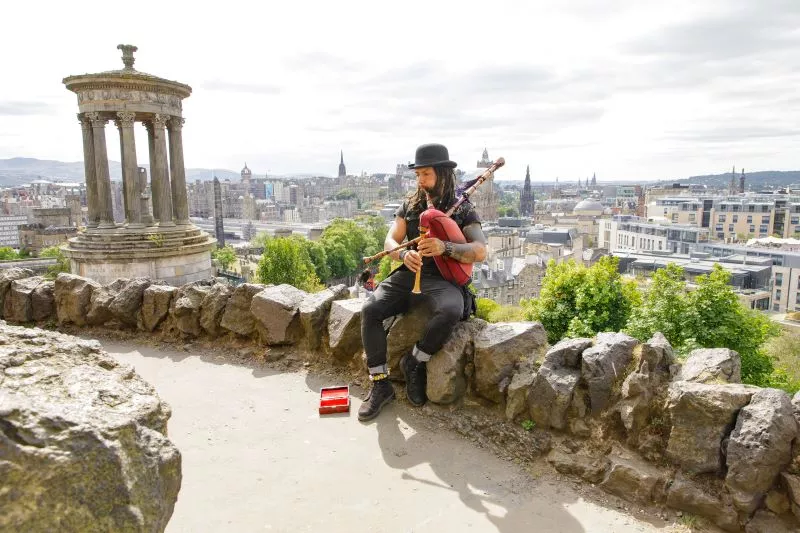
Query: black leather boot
416	376
379	395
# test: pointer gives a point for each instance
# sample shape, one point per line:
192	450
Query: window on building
753	228
763	228
509	300
776	307
721	218
765	219
735	218
660	244
476	273
749	219
692	217
795	220
720	235
730	227
777	294
500	265
797	299
778	279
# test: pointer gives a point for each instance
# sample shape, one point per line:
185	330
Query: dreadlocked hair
444	193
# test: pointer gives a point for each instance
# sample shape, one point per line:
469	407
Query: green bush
576	301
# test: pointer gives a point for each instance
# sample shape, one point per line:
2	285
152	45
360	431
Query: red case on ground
334	400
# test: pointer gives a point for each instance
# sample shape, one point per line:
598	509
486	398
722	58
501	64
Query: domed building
588	207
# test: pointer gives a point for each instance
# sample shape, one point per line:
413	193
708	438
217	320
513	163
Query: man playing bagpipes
437	271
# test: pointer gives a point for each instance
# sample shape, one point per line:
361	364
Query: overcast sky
630	89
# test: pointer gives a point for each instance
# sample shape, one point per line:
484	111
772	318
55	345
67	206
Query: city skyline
627	91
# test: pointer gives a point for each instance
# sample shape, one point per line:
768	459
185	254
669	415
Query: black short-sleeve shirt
464	215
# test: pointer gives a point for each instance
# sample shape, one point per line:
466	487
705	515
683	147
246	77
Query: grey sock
420	356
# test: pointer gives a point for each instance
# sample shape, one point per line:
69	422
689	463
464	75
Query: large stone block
344	328
554	384
566	353
18	305
690	497
604	364
184	311
127	303
101	301
766	522
314	310
657	353
73	296
760	447
589	468
7	277
445	371
712	365
213	307
551	395
237	316
43	301
83	443
405	330
499	349
277	311
631	477
702	415
156	301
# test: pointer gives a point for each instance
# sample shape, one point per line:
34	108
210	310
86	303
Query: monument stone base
175	255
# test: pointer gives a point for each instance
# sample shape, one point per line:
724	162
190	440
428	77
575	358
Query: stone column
105	207
155	186
180	201
130	169
160	171
89	170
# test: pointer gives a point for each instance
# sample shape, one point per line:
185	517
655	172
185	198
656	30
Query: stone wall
624	415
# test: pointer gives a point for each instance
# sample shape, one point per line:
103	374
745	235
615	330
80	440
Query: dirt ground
258	457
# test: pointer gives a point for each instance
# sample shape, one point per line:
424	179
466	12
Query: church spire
342	169
526	198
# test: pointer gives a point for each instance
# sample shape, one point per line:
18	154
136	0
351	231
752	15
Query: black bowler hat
432	155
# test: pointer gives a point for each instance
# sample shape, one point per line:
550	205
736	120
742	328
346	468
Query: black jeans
393	296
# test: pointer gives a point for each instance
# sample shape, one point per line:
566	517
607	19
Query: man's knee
448	315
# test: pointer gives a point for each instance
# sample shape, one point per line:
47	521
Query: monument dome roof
588	205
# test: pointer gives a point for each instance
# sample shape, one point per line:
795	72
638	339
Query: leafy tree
7	253
260	239
316	252
578	301
346	242
663	308
385	268
286	260
512	212
718	319
485	307
225	255
62	263
710	316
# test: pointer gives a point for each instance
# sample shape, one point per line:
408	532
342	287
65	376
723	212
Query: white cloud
627	89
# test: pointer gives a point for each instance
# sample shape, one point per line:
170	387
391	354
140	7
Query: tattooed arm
473	251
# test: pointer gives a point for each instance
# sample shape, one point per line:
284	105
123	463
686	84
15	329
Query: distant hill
21	170
753	180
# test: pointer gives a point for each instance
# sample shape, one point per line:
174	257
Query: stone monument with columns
163	245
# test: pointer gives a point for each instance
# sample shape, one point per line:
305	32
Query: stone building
486	198
165	246
36	237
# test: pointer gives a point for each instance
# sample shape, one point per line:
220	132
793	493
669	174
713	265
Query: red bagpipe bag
444	228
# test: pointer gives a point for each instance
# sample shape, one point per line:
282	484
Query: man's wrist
402	254
449	248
